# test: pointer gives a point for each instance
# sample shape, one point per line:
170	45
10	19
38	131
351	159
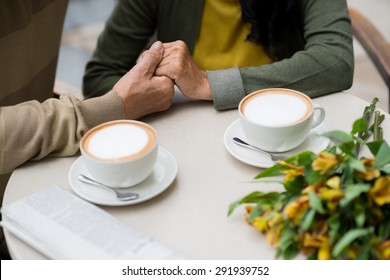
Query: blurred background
85	20
83	23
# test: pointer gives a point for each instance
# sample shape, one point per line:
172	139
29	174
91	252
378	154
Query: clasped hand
148	87
179	66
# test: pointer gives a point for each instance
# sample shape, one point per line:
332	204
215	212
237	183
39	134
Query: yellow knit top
222	39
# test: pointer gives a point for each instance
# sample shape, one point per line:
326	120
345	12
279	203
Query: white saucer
162	176
313	142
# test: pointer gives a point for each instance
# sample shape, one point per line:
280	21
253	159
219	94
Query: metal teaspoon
121	195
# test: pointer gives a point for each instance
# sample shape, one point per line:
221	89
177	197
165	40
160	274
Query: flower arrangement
335	205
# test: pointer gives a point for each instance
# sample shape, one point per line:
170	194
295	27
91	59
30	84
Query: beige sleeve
33	130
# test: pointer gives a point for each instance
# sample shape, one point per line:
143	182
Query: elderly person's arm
33	130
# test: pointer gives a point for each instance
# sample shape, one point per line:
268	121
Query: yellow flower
313	188
370	173
330	194
270	223
293	172
324	162
384	250
312	242
260	224
330	190
295	210
273	235
324	252
266	221
334	182
380	192
317	240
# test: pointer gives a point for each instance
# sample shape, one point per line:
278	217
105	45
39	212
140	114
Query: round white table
190	217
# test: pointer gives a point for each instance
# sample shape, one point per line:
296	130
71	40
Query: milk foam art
118	141
276	109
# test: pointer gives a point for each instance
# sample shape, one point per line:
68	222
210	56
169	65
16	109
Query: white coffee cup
120	153
278	119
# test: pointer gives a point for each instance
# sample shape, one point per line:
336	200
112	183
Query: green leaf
315	203
384	230
278	253
308	219
360	125
301	159
349	148
286	239
291	252
344	141
295	186
374	147
271	171
338	136
348	174
359	140
312	177
250	198
356	164
332	149
334	224
353	191
364	252
233	206
360	217
383	155
255	213
386	169
312	256
348	238
254	197
334	220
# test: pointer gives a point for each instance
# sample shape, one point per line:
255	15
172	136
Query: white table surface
190	217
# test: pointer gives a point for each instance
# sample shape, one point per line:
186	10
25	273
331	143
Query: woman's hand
178	65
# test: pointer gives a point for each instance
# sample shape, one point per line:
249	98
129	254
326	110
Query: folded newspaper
61	225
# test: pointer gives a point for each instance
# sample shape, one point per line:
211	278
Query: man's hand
142	92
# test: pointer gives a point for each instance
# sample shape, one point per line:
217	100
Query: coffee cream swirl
276	108
120	141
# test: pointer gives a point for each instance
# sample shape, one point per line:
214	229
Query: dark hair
269	19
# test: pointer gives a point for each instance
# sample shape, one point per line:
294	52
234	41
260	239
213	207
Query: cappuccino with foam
119	141
120	153
278	119
277	108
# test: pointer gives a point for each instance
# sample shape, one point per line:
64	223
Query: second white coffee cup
120	153
278	119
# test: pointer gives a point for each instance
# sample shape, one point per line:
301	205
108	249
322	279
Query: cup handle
319	118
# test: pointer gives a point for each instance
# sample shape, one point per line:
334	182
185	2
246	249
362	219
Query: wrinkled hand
142	92
178	65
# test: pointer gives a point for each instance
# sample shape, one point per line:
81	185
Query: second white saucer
314	142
